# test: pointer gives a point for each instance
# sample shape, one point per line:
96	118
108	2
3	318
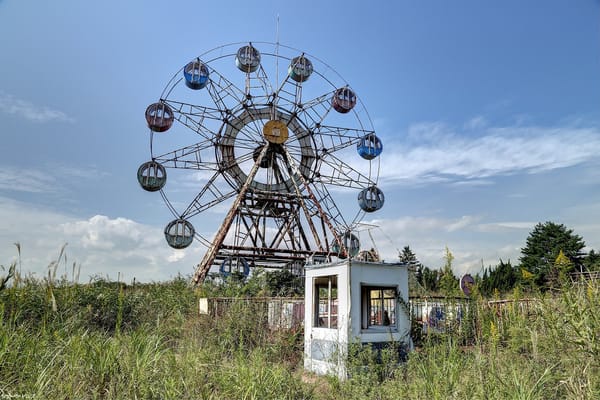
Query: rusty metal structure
279	140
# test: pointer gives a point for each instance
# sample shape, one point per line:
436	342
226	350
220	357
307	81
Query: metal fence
441	314
277	312
430	316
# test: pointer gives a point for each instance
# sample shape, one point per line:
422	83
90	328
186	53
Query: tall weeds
108	340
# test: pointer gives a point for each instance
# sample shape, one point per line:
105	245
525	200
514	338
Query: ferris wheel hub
275	131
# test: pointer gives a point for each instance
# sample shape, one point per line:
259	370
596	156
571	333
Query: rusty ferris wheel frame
273	135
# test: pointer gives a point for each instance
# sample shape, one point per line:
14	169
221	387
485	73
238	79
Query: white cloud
478	122
43	180
461	223
101	232
176	255
26	180
9	104
101	245
434	152
471	240
508	225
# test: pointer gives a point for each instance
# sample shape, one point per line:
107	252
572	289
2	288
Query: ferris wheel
273	140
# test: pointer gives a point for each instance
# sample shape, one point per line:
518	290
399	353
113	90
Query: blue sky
489	113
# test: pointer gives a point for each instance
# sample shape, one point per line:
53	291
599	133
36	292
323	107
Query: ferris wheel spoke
225	95
193	116
189	157
289	98
238	159
314	111
289	93
333	138
258	82
245	127
208	197
339	173
250	135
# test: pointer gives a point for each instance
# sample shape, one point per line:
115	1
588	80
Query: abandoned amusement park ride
276	137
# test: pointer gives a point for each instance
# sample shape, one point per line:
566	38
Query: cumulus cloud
126	244
12	105
101	232
436	152
100	245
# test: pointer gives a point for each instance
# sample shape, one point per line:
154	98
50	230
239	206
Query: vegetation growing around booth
107	340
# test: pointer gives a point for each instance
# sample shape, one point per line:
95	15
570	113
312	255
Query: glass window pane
381	306
326	302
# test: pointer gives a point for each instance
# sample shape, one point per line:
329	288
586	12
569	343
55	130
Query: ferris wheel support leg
314	199
211	253
301	200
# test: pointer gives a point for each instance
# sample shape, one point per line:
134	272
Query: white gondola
371	199
179	233
152	176
300	68
247	59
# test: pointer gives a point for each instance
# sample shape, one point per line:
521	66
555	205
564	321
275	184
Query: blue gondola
369	147
152	176
196	74
247	59
234	264
179	233
371	199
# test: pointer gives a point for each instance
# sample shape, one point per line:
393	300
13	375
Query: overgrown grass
106	340
60	339
547	350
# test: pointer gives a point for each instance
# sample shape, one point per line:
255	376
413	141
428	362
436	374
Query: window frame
387	303
327	318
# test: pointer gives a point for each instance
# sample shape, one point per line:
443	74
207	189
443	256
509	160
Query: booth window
325	302
378	306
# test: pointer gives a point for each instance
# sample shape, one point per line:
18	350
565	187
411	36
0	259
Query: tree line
552	253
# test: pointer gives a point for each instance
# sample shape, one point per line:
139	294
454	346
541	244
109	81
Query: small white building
352	301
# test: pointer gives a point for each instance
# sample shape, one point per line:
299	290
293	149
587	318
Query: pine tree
592	261
449	284
543	246
503	278
415	271
431	279
408	257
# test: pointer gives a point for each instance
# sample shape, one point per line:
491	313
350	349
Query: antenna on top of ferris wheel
277	50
